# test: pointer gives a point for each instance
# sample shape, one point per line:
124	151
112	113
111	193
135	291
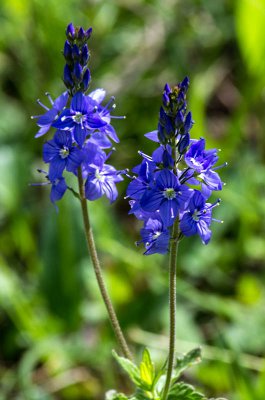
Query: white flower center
196	215
98	176
64	152
156	235
78	118
169	193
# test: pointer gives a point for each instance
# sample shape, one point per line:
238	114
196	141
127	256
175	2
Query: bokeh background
55	337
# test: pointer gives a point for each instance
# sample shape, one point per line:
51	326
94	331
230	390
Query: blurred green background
55	337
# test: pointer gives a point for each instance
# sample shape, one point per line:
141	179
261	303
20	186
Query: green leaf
113	395
129	367
183	391
147	369
141	395
187	360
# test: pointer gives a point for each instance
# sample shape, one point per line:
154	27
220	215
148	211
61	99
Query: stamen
216	204
42	171
117	117
49	97
42	105
109	103
225	164
145	156
40	184
218	220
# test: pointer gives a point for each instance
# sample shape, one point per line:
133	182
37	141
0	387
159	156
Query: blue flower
155	237
168	196
45	121
101	178
58	189
60	153
140	213
198	217
138	185
102	181
202	161
81	117
104	112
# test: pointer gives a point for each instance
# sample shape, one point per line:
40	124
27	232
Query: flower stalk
172	305
97	268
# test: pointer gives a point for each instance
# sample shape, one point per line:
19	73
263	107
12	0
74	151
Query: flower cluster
83	127
173	185
76	54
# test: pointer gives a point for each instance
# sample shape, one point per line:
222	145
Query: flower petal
151	200
57	166
79	103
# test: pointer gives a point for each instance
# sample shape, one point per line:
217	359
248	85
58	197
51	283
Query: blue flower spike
82	124
174	184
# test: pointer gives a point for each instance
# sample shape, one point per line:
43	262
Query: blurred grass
55	338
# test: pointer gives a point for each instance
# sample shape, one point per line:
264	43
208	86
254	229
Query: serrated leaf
113	395
183	391
147	369
129	367
187	360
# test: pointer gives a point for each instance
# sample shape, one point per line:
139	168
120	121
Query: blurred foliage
55	338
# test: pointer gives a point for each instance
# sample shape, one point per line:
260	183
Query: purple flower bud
179	119
67	77
67	51
185	84
188	123
166	99
88	33
70	32
77	72
86	80
81	34
84	55
183	143
75	52
161	134
167	89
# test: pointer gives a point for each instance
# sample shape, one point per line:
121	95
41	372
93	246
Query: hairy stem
172	305
97	268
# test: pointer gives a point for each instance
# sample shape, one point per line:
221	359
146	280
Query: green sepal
147	370
128	366
187	360
183	391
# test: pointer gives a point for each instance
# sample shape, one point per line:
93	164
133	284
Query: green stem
97	268
172	305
